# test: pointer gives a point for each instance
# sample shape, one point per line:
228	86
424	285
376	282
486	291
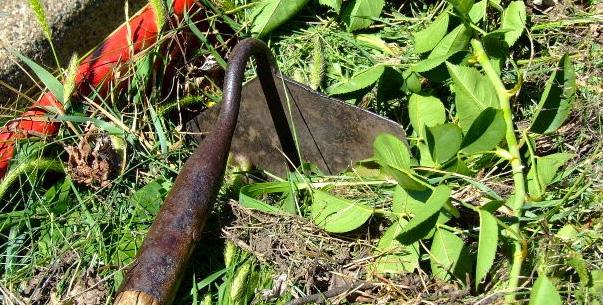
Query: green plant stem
519	245
28	167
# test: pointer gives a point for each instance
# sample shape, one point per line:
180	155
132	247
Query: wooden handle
177	228
135	298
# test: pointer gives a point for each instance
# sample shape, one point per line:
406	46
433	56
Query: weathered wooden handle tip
135	298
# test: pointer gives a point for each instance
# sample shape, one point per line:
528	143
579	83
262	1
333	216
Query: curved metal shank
156	274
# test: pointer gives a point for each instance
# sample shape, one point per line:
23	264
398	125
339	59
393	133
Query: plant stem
519	251
28	167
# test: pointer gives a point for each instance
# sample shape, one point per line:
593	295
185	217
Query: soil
88	289
319	263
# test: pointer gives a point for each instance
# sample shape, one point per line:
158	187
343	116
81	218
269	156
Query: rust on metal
330	133
166	250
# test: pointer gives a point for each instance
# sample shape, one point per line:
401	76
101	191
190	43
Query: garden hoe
280	124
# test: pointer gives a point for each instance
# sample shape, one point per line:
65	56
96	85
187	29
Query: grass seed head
38	10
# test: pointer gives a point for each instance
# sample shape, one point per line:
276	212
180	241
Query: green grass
54	231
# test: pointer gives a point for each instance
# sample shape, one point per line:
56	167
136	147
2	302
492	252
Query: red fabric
95	71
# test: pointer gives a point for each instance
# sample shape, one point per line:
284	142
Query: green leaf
334	4
567	233
455	41
596	288
544	293
338	215
542	174
449	256
394	158
425	111
106	126
576	261
274	13
425	218
390	150
412	83
486	249
444	141
556	100
359	14
409	201
462	6
473	94
513	21
150	196
51	82
486	131
426	39
478	11
249	193
359	81
496	48
395	257
425	155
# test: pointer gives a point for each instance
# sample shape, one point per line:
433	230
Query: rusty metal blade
330	133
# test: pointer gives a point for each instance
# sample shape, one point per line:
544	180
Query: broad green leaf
334	4
426	39
486	248
408	201
51	82
496	48
391	85
425	218
274	13
486	131
449	256
542	174
544	293
426	159
425	111
394	158
473	94
359	81
444	141
359	14
390	150
462	6
556	100
395	257
338	215
150	196
405	177
455	41
568	233
513	21
412	83
478	11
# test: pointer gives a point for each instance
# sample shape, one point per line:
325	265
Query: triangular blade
330	133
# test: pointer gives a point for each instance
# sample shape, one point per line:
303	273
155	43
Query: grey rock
77	27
